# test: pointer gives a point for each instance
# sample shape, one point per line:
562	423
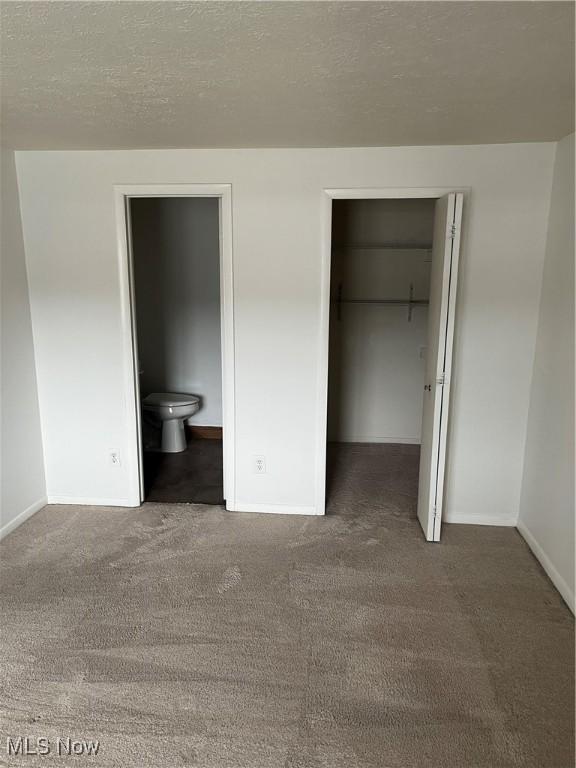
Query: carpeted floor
188	636
193	476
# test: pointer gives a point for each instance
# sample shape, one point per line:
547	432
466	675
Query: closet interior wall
380	259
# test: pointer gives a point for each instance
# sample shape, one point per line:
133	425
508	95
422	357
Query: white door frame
328	195
122	194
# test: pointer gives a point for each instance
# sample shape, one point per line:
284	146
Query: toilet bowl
171	410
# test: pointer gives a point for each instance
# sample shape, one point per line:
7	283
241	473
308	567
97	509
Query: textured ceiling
284	74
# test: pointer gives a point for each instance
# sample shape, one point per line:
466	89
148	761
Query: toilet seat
169	400
171	410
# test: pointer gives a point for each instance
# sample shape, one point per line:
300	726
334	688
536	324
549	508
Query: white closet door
443	281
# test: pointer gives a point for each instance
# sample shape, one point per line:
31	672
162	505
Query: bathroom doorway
392	279
179	293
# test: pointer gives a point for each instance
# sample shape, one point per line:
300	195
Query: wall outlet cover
259	465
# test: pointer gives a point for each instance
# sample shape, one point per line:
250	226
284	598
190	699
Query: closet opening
393	277
175	247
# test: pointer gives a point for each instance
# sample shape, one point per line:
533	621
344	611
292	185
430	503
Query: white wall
22	464
177	281
547	502
377	356
70	236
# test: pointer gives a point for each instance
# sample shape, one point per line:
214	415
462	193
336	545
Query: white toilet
171	410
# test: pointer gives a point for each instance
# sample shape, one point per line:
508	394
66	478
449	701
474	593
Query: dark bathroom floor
193	476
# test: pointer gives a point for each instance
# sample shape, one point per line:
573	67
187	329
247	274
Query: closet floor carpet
182	635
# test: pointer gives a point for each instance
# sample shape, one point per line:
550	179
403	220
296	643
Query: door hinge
434	511
452	231
441	380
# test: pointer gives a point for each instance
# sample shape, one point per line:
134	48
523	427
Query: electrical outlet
115	458
259	465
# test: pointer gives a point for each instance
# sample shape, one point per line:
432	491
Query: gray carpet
188	636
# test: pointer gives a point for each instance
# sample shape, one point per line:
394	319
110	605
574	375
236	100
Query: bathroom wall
71	239
547	503
177	283
22	481
377	356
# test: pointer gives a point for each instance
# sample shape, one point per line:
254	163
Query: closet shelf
410	302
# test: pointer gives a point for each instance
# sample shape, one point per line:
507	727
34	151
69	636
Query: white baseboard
274	509
475	519
370	439
87	501
566	592
24	515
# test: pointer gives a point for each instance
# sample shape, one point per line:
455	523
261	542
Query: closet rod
410	302
383	247
383	301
